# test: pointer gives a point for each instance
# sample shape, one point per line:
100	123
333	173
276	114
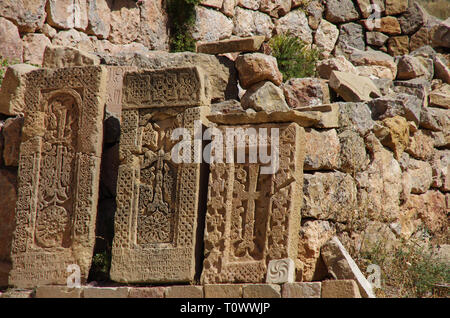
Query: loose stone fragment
13	89
353	88
249	44
340	263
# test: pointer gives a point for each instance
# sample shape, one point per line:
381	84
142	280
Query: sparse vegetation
295	58
101	263
411	269
181	18
4	63
438	8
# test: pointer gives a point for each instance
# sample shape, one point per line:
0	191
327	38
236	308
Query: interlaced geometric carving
252	217
58	174
157	198
172	87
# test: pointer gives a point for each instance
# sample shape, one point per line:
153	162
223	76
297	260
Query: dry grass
438	8
411	269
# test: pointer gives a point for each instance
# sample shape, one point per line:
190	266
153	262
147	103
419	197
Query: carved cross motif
158	203
247	244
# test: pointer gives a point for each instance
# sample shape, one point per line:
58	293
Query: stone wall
113	26
27	27
376	152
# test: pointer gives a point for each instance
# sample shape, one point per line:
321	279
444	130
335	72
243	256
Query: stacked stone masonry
85	147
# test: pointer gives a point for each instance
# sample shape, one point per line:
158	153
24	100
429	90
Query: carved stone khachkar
169	87
253	217
158	198
58	175
114	88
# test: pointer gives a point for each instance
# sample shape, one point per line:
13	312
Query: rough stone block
345	288
13	89
223	291
249	44
63	56
262	291
353	88
58	176
58	292
302	290
147	292
340	263
105	292
322	150
190	291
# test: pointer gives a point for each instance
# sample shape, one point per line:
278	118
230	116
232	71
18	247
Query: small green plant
181	19
101	263
295	58
4	63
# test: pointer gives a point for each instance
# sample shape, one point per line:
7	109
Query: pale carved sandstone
60	56
248	44
157	194
219	69
13	89
353	88
280	271
59	161
174	87
267	204
223	291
